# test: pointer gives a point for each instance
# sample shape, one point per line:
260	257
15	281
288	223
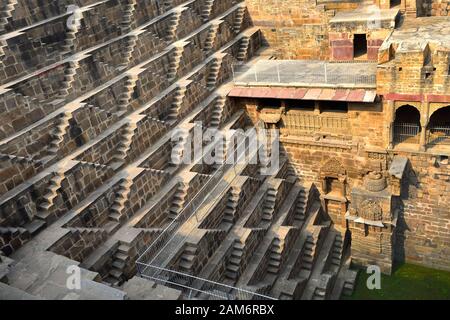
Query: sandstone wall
423	232
423	228
295	29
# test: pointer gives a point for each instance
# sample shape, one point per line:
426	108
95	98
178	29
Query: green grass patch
408	282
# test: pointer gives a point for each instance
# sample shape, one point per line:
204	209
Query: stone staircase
178	201
300	207
269	204
122	195
175	60
58	133
234	263
69	42
349	283
243	49
3	45
128	50
176	104
6	12
211	38
217	113
173	26
178	149
319	294
336	254
125	144
128	13
206	12
187	258
69	77
120	260
214	73
232	203
126	96
221	151
52	191
237	26
308	254
276	251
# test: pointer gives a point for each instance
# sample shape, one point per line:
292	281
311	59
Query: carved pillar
391	119
423	124
423	136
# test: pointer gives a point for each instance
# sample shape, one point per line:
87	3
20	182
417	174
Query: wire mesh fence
438	134
195	287
151	262
306	72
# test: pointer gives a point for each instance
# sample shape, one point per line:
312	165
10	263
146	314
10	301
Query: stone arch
333	176
438	108
407	113
415	104
407	126
332	167
438	128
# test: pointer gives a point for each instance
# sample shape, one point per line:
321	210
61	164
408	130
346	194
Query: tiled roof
350	95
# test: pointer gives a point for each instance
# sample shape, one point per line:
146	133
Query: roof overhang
349	95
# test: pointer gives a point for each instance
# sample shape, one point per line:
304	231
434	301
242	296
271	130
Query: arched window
439	127
407	125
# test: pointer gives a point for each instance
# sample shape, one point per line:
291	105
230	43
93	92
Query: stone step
185	265
274	263
188	257
119	264
122	257
123	249
116	273
35	226
111	281
235	261
231	275
272	270
233	268
111	226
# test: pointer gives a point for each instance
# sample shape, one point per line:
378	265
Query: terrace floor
307	73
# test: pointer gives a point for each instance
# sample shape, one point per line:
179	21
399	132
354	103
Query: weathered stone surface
88	170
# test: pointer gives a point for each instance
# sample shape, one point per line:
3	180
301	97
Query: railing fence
406	132
438	134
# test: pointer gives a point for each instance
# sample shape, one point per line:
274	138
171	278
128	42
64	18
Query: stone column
391	119
423	125
423	137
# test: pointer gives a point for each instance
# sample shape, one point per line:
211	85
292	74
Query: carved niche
332	168
333	176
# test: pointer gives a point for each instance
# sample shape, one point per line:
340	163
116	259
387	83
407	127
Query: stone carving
371	210
375	182
333	168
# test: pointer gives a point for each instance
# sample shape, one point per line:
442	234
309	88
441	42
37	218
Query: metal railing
317	73
188	211
406	132
438	134
195	287
150	261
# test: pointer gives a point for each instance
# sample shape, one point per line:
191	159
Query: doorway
360	46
